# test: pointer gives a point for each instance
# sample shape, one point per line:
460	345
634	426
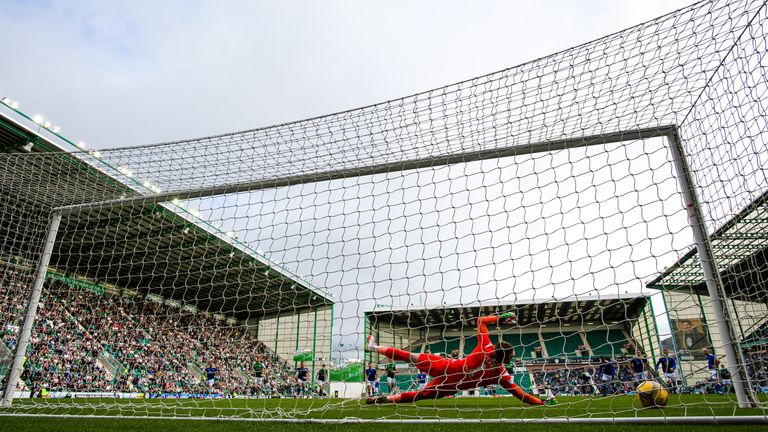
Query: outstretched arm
509	385
506	318
482	323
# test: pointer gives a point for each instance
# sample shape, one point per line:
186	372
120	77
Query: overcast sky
126	73
115	73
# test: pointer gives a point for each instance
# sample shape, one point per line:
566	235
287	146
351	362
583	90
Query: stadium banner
691	338
125	395
304	356
186	396
98	289
91	395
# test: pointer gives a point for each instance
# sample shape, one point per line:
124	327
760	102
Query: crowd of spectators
60	353
88	341
757	367
586	379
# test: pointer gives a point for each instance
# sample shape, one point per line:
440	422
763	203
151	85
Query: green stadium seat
606	342
524	343
562	344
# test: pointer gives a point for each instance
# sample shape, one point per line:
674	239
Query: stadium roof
740	247
153	248
579	310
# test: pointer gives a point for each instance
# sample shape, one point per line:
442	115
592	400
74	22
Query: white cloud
129	73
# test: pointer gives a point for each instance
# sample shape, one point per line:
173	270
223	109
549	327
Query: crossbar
471	156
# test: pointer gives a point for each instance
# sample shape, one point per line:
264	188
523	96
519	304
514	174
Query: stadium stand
525	344
584	379
88	341
757	367
122	342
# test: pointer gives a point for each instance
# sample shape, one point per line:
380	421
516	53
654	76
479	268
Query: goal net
611	196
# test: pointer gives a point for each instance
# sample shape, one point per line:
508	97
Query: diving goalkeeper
483	367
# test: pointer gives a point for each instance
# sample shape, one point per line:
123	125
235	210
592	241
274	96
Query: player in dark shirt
725	377
586	383
258	371
669	369
607	370
302	372
639	369
322	380
391	378
370	380
607	373
712	363
421	380
301	379
322	374
210	375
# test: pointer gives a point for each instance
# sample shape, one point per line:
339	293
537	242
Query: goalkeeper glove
507	315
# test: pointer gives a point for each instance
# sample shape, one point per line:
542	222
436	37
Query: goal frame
683	173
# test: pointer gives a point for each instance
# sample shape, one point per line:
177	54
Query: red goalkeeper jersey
478	369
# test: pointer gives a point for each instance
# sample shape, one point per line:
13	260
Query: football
652	394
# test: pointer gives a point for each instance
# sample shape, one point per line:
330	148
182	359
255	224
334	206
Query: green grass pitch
317	409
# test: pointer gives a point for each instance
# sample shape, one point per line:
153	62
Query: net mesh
251	268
